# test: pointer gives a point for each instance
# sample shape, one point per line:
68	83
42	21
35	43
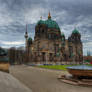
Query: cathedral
51	46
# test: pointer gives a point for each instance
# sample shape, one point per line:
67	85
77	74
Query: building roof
75	31
41	22
49	22
29	39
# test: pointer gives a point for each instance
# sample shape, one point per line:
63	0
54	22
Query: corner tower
75	46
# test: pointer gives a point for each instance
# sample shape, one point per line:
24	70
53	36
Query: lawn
57	67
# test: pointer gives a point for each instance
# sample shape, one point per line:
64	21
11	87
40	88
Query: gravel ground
10	84
44	80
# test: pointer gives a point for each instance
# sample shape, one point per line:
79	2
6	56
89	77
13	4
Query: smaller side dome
75	31
29	40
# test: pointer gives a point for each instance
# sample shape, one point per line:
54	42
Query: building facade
50	45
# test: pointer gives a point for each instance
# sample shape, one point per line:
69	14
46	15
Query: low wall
4	67
54	63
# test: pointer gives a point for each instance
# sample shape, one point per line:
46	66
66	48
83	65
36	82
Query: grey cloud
14	14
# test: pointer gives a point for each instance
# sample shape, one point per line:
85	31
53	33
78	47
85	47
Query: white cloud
14	14
12	42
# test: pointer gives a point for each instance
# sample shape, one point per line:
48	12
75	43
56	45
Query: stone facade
50	45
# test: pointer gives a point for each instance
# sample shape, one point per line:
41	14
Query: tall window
42	30
56	48
70	50
52	36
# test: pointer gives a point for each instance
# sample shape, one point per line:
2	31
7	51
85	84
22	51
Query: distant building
50	45
88	53
87	59
4	60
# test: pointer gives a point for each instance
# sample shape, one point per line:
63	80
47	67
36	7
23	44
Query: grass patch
89	64
57	67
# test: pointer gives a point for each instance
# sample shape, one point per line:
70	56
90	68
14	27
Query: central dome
40	22
49	23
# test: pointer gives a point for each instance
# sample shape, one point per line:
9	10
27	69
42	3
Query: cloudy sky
15	14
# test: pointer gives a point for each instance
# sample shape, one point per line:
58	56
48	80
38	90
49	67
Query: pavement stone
44	80
10	84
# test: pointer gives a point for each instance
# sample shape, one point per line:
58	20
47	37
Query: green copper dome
41	22
75	31
29	39
51	24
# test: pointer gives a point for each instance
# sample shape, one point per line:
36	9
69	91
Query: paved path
10	84
44	80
